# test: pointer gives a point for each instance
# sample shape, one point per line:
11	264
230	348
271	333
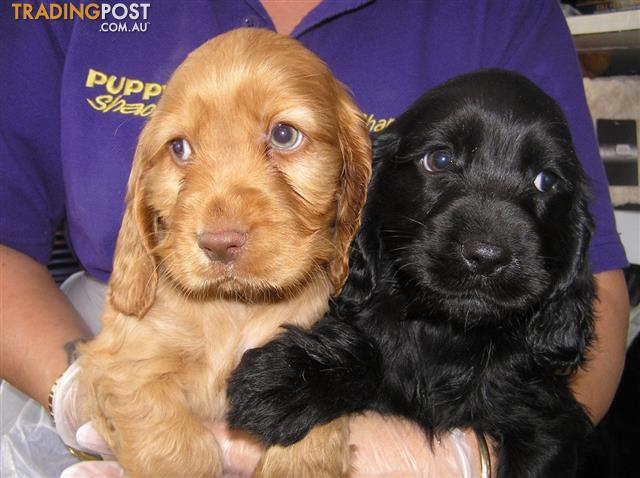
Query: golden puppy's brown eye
285	137
180	149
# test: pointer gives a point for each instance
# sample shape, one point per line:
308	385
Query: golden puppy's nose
222	246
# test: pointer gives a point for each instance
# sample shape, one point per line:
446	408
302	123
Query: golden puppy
245	192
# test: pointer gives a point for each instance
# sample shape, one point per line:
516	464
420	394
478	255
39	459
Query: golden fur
177	322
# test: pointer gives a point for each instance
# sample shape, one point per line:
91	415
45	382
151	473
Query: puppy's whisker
396	231
159	264
403	266
399	236
400	248
414	220
408	264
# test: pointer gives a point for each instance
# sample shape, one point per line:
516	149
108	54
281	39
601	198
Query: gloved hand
68	410
383	447
394	447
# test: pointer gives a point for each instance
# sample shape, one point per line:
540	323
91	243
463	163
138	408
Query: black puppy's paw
301	379
269	394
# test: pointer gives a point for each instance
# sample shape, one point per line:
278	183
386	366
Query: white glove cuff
63	405
459	440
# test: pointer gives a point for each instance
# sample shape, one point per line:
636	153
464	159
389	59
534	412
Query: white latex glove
383	447
392	447
66	405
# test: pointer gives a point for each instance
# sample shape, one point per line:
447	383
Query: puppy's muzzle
222	246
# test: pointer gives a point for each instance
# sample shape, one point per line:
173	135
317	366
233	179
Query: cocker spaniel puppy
245	193
470	298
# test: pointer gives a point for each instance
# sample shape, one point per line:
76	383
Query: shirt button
249	21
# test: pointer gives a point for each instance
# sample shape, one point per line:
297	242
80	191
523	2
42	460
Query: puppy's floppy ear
560	333
363	272
355	147
133	281
366	250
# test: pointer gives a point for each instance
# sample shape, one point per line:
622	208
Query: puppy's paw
323	453
178	450
270	396
302	379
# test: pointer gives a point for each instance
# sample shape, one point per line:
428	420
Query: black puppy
469	300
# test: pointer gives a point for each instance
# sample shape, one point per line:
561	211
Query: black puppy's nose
222	246
484	257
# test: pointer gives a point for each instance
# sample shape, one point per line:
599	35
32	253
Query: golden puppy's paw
323	453
173	452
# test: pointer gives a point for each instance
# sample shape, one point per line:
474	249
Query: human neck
287	14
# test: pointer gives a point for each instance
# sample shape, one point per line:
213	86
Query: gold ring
83	455
485	457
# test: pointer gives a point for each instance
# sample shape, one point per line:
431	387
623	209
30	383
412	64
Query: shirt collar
323	12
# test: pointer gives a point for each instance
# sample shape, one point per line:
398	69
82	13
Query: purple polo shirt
74	98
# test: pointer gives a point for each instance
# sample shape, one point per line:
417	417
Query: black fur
469	299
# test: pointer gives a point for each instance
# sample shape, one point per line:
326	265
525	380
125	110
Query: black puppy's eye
437	161
180	149
545	181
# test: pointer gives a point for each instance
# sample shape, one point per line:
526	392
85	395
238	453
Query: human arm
37	320
595	385
39	324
